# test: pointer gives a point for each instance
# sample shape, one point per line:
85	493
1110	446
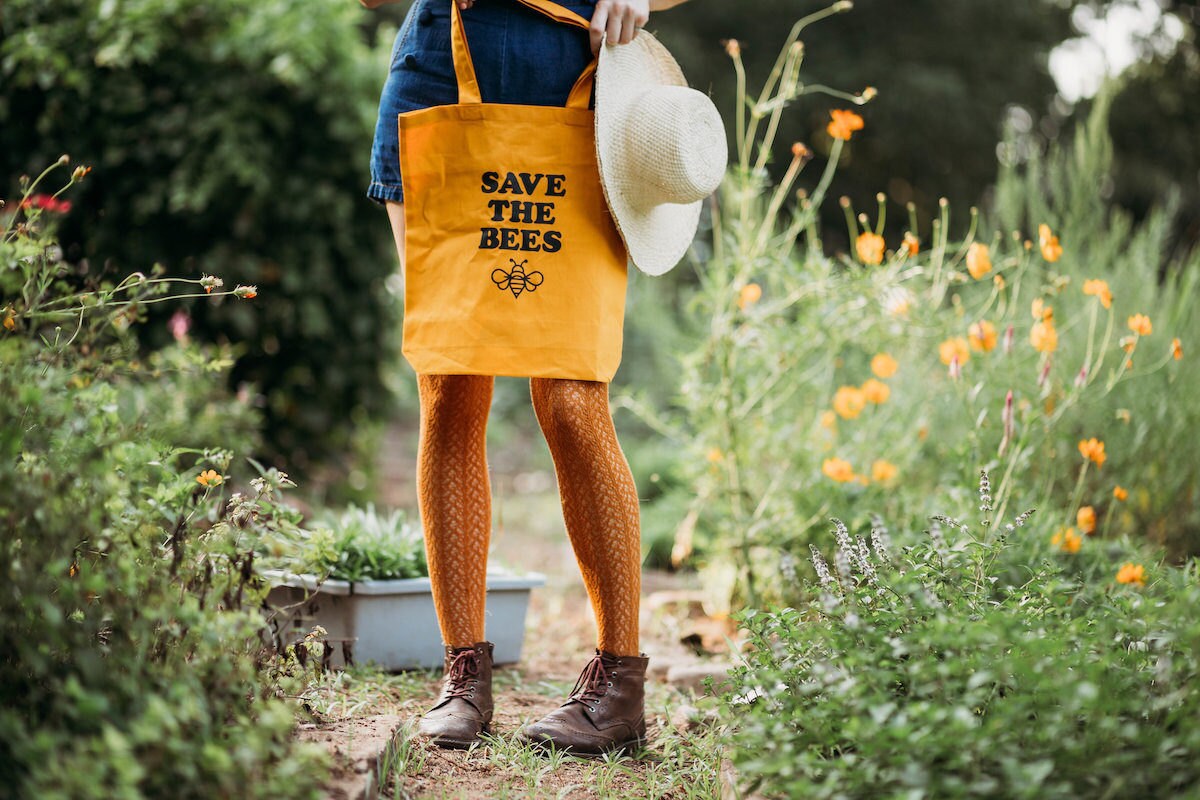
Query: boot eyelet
610	683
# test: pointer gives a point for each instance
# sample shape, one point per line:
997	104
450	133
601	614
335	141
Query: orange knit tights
599	501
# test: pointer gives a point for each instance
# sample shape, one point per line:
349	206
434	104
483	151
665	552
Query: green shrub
128	603
975	663
229	137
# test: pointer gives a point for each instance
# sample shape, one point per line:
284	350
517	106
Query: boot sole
456	744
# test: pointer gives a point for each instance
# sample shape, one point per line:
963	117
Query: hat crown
676	142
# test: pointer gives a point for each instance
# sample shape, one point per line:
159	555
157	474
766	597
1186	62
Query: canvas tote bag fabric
513	265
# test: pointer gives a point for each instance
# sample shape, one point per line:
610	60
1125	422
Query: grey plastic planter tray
393	623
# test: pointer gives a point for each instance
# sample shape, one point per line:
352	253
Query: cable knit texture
599	499
455	499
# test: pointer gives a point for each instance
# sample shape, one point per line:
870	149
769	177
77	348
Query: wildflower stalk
788	91
776	72
740	114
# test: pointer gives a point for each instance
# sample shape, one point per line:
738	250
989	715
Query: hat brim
656	235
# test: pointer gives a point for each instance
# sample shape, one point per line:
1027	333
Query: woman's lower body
520	57
599	500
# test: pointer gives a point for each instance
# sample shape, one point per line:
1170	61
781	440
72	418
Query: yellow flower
1051	249
1099	288
848	402
999	282
870	247
1067	539
714	455
751	293
210	478
828	419
838	469
844	124
954	348
1132	573
1140	324
876	391
1120	493
10	323
1085	518
983	336
883	365
1093	450
911	243
883	471
979	260
1176	348
1040	311
1044	336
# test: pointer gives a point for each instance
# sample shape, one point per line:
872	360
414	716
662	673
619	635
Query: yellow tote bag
513	265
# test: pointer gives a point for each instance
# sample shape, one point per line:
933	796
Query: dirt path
682	758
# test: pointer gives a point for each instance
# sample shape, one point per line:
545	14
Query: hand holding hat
661	148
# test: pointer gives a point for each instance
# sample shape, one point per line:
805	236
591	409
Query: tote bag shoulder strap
464	68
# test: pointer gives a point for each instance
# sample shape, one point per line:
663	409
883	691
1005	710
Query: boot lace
593	682
462	675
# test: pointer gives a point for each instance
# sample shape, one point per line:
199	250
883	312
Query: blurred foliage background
232	137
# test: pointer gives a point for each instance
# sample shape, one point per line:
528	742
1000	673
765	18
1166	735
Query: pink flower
179	324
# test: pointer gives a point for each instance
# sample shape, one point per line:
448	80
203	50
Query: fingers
599	24
465	4
617	21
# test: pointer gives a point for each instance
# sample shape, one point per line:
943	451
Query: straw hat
661	148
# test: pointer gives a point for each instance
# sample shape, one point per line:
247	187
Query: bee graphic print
517	280
513	264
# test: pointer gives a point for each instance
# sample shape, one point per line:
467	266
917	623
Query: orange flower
1040	311
1099	288
1176	348
876	391
1085	518
1051	249
911	243
1093	450
750	294
883	471
983	336
844	124
979	260
1067	539
1132	573
714	455
883	365
1140	324
246	292
999	282
849	402
9	322
210	478
800	150
732	48
1044	336
1120	493
838	469
954	348
870	247
828	420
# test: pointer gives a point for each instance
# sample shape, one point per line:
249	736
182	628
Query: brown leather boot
605	712
464	708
